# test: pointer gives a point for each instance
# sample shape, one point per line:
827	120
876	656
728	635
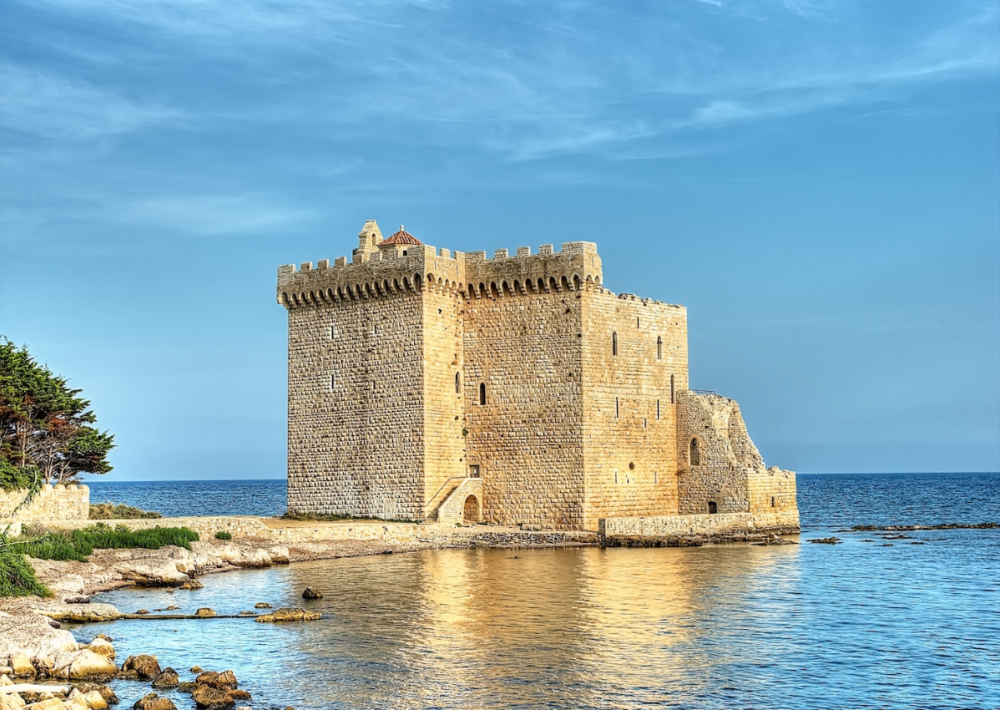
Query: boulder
278	554
80	613
167	679
102	648
21	665
106	693
84	665
223	681
240	695
146	667
286	614
208	698
205	611
50	703
261	605
312	593
197	669
96	701
76	599
192	584
256	559
154	702
153	573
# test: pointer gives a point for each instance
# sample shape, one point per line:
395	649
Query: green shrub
14	477
223	535
17	578
110	511
80	544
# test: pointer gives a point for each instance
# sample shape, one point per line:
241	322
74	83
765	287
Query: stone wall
70	502
697	525
634	355
356	407
527	438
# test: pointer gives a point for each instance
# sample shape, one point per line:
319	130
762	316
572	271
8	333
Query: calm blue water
881	624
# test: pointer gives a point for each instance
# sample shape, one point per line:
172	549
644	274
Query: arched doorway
470	511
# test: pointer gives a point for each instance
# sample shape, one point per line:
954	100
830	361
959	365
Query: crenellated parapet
379	268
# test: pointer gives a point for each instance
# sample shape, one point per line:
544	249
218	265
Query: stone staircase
443	493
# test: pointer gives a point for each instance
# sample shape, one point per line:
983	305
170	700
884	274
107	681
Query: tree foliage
47	430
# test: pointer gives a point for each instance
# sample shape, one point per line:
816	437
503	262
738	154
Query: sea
881	620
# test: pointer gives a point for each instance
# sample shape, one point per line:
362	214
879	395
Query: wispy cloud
41	103
210	215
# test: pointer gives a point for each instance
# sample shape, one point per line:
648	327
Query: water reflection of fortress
429	384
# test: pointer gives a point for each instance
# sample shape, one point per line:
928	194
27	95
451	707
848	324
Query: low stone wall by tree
52	503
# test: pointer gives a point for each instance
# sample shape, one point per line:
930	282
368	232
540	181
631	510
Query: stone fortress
426	384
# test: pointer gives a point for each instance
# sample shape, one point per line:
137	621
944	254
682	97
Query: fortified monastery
426	384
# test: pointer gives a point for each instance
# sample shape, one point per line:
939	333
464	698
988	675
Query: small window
672	389
376	330
404	252
333	382
637	321
772	501
458	383
644	422
656	477
713	507
659	348
474	471
694	453
614	344
333	332
657	409
482	393
617	408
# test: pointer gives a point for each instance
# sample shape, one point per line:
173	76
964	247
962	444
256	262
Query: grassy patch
17	578
223	535
110	511
80	544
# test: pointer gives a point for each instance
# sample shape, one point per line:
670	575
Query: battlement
377	269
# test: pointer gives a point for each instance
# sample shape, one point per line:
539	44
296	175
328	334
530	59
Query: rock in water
146	667
154	702
84	665
289	615
167	679
205	611
205	696
223	681
261	605
312	593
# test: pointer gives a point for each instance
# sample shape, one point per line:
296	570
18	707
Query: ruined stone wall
718	472
527	438
632	348
772	494
356	408
70	502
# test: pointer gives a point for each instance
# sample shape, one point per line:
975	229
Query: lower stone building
425	384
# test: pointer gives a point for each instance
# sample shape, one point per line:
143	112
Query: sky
816	181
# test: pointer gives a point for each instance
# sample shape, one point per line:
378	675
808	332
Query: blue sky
816	181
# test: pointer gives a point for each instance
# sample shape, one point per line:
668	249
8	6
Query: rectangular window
474	471
333	332
657	409
617	408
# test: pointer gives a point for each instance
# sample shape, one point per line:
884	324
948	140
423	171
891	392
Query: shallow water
862	624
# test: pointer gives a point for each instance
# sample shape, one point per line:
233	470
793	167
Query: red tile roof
400	237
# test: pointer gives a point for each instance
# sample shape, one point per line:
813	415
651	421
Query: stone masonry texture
412	370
